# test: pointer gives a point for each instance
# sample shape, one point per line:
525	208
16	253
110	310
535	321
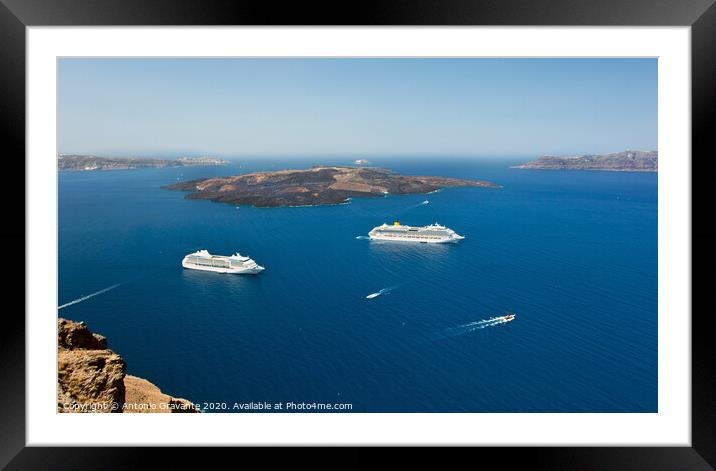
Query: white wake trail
417	205
472	326
85	298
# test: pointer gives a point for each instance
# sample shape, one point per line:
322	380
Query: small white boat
237	263
502	319
378	293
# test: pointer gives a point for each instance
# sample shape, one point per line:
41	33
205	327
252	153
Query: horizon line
179	154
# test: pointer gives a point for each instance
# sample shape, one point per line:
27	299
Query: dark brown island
319	185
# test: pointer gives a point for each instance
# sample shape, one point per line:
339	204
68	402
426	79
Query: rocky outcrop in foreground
627	161
92	378
316	186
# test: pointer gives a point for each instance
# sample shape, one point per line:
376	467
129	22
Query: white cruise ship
432	234
203	260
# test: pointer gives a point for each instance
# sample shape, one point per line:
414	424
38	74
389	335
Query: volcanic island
318	185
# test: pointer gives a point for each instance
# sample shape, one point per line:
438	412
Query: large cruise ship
432	234
203	260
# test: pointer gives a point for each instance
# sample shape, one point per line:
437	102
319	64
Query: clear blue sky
283	107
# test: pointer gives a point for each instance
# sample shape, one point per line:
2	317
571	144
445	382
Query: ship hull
444	240
235	271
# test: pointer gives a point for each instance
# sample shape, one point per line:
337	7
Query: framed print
411	226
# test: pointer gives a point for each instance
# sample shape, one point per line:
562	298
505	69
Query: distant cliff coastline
91	162
92	378
318	185
627	161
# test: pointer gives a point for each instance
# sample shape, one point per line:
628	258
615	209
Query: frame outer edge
12	64
703	105
368	12
12	333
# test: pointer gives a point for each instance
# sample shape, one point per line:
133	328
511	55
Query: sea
573	254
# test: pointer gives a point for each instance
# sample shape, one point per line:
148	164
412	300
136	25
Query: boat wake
417	205
378	293
85	298
477	325
362	237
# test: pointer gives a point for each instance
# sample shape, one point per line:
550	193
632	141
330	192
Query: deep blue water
573	254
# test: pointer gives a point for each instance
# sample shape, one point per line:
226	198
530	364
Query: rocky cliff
627	161
92	378
92	162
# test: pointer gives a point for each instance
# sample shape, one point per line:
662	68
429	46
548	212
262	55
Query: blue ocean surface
572	253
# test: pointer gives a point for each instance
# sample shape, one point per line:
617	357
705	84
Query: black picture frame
16	15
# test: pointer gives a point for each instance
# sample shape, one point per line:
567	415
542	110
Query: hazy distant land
318	185
627	161
91	162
